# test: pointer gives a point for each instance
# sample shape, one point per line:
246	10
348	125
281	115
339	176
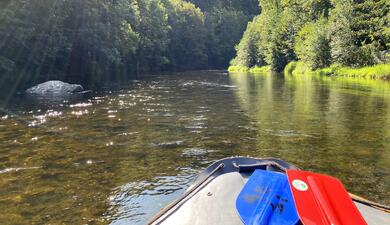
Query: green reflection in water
123	154
335	126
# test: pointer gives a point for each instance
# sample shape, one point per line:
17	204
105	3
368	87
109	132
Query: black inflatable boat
212	198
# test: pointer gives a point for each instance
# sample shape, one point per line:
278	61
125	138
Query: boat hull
211	198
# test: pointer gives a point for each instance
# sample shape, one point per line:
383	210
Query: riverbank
380	71
244	69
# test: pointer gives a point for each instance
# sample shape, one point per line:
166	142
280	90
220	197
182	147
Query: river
120	155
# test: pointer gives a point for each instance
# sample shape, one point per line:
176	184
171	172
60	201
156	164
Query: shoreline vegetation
243	69
334	38
296	68
380	71
93	42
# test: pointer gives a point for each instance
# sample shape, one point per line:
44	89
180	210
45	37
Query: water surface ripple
120	155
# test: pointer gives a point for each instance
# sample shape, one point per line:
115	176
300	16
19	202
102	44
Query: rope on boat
191	191
367	202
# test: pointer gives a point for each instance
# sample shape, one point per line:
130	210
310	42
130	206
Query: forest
318	33
94	41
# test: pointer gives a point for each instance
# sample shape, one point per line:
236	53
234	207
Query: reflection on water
119	156
336	126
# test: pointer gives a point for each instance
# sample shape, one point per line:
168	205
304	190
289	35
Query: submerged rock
195	152
169	145
55	88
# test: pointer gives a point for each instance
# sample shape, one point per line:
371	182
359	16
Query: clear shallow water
119	156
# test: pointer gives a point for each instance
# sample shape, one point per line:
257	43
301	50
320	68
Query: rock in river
55	88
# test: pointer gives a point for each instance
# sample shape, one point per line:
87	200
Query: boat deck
215	204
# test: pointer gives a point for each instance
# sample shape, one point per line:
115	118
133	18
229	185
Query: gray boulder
55	88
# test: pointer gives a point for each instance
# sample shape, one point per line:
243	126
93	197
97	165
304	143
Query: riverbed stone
55	87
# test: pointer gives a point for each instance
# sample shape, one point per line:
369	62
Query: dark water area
120	155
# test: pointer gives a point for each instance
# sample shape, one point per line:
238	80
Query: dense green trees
68	40
95	40
343	48
225	28
187	48
312	44
317	32
225	22
249	51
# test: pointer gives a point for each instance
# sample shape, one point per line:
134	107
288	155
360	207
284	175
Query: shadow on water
122	154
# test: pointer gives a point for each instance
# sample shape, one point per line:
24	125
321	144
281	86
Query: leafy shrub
312	44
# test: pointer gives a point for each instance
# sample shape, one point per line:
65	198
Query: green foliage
153	29
248	54
260	69
92	41
29	39
225	22
235	69
69	40
290	67
312	44
255	69
296	68
280	50
370	19
225	27
318	32
358	36
274	32
343	48
188	36
251	7
380	71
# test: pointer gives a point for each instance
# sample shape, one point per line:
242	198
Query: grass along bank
380	71
243	69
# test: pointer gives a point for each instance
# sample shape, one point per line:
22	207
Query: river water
120	155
